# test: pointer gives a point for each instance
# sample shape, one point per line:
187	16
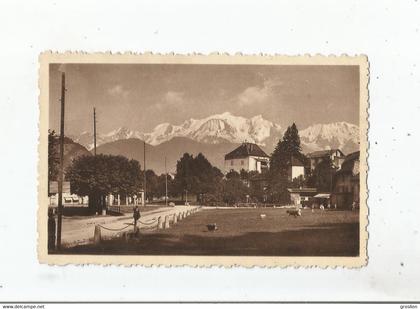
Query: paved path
81	231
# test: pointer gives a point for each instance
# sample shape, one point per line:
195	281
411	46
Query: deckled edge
48	57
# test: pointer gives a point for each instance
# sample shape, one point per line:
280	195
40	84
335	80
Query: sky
141	96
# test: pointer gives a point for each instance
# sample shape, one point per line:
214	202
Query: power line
144	164
166	185
94	131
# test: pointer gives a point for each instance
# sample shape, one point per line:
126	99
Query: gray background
387	31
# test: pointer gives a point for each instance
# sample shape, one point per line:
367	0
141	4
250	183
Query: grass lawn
242	232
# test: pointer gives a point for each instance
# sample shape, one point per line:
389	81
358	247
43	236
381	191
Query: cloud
258	94
118	91
170	99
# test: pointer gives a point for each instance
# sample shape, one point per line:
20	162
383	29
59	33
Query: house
301	196
296	168
346	183
67	197
316	157
248	157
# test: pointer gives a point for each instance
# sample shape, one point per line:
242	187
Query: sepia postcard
202	160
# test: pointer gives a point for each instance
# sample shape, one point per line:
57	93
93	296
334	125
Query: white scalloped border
109	57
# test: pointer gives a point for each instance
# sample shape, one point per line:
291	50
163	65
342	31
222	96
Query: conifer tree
287	147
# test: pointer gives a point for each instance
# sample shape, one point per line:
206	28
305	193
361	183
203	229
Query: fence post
180	216
175	219
166	222
160	223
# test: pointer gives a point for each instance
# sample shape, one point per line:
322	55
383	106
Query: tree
100	175
161	185
197	175
234	190
280	162
53	157
184	173
291	140
152	184
233	174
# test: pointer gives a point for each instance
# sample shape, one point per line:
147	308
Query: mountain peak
342	135
228	128
225	114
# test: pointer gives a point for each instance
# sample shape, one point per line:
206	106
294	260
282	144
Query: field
243	232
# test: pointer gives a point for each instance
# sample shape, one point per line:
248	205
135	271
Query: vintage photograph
203	160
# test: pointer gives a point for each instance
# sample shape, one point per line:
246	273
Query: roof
323	195
296	162
348	163
354	156
323	153
302	190
246	150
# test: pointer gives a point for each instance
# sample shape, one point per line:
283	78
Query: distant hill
72	150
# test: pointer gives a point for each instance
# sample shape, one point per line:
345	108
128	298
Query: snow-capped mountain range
227	128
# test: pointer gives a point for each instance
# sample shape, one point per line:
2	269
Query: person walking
136	217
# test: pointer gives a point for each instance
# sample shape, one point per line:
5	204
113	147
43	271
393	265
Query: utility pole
60	171
95	197
144	164
186	197
166	185
94	131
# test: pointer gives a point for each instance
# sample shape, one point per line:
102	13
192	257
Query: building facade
248	157
296	168
316	157
346	183
301	196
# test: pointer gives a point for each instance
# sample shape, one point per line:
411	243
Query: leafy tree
244	175
156	186
100	175
152	184
184	173
234	190
53	157
161	185
257	191
233	174
298	182
197	175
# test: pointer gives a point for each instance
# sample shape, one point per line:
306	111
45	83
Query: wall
297	171
238	165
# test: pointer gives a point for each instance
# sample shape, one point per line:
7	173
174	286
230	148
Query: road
81	231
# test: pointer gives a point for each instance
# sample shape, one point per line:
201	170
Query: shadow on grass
336	239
